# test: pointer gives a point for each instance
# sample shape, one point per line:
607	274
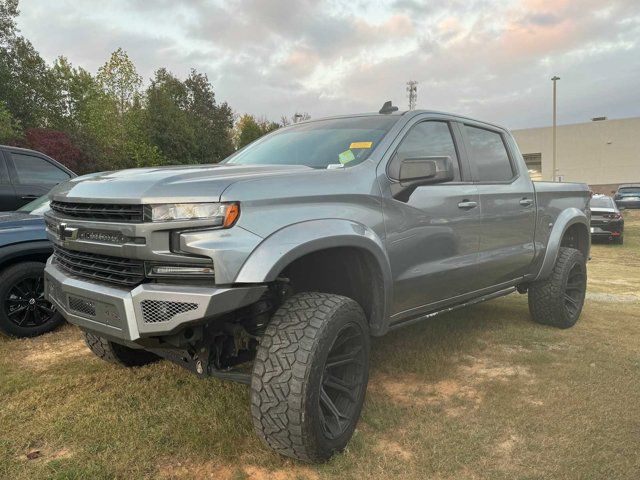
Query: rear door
33	175
432	237
8	200
507	205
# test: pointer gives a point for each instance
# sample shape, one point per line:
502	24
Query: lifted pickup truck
297	249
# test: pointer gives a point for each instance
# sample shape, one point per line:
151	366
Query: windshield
628	190
336	143
601	202
37	206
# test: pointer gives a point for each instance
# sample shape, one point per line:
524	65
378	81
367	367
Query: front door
432	237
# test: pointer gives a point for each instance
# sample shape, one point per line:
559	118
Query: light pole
554	79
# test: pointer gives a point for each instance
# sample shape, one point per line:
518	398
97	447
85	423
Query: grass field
479	393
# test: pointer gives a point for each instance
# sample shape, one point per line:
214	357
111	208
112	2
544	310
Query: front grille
121	271
102	212
156	311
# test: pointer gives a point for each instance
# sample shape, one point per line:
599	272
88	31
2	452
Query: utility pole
412	93
554	79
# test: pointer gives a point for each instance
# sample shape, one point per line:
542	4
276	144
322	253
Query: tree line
110	120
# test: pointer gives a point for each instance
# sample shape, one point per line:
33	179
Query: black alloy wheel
25	305
342	381
24	311
574	290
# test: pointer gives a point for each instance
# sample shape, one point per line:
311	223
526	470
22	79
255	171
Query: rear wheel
558	300
618	240
119	354
24	311
310	376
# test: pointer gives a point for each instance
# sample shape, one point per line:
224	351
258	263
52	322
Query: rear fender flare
566	219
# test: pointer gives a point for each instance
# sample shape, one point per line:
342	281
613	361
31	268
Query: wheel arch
345	257
571	229
37	251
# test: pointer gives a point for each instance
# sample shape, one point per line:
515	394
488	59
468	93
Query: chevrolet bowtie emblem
67	233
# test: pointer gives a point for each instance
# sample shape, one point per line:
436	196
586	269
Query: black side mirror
416	172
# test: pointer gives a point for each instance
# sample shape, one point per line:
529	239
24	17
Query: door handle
467	205
526	202
29	197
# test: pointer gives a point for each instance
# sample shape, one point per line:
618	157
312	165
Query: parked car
297	249
628	196
606	220
26	175
24	249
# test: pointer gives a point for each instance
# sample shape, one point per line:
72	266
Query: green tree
119	78
211	123
8	15
9	127
248	130
168	124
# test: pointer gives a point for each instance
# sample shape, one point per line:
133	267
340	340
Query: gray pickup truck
276	267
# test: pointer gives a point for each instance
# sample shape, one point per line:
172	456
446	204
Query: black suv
26	175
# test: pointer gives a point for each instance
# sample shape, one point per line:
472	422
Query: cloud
486	58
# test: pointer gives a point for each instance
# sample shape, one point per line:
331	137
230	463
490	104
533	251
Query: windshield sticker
361	145
346	157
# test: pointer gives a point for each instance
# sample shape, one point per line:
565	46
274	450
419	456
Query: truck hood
193	183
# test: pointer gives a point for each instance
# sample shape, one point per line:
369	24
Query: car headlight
221	214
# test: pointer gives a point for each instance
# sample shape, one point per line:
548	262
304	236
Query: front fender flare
566	219
294	241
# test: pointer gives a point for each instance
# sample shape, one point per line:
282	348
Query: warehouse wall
603	153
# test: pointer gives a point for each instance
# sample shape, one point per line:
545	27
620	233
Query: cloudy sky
491	59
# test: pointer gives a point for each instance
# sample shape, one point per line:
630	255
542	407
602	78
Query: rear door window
489	155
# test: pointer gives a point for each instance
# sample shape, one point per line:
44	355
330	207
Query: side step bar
480	299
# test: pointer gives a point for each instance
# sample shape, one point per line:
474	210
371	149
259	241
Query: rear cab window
488	154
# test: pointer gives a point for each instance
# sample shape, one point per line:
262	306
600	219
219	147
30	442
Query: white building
603	153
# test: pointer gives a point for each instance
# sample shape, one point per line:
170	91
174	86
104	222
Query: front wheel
558	300
113	352
24	311
310	376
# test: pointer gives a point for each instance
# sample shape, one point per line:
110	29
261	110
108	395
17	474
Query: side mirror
418	171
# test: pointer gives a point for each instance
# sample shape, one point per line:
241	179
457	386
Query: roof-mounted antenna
388	108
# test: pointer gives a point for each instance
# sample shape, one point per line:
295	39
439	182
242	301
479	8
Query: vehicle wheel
310	376
25	312
115	353
558	300
619	240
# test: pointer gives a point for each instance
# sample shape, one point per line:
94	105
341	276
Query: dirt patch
195	471
409	390
390	447
41	355
483	369
45	454
612	298
292	473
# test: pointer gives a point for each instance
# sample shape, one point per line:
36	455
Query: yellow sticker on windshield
361	145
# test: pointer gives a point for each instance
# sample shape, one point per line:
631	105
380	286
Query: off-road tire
619	240
289	375
10	277
548	299
119	354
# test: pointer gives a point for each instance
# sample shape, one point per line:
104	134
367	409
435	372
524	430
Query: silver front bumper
148	310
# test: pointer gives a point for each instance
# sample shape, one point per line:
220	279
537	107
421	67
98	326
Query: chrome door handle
467	205
526	202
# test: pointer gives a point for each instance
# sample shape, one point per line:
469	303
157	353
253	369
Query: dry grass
481	393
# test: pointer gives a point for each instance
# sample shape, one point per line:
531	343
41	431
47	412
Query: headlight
166	270
221	214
